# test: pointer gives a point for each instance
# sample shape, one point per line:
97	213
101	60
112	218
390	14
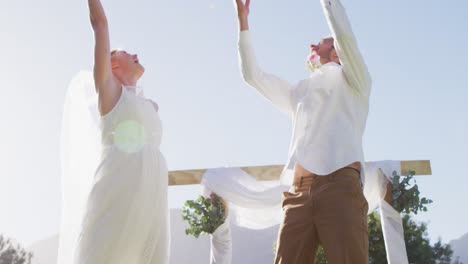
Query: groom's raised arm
276	90
346	46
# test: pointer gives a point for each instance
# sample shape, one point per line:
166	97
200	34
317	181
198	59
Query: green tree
13	253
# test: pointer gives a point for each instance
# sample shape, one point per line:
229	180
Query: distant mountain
187	249
460	248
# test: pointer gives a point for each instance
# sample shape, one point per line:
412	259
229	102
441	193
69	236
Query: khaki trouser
328	210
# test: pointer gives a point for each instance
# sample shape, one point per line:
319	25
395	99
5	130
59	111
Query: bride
114	177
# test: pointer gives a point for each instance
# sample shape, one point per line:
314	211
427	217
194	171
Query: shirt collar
326	66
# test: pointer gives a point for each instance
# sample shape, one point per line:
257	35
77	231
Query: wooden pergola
272	172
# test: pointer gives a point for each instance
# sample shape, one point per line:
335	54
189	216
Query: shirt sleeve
352	62
277	91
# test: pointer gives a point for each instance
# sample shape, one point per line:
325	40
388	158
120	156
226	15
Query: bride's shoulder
155	105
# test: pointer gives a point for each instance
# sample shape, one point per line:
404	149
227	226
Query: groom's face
323	48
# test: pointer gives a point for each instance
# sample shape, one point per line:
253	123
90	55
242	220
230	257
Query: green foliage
204	215
12	253
406	196
417	241
418	244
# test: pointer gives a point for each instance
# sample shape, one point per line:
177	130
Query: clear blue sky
416	52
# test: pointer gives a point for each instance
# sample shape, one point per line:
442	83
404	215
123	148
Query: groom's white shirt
329	109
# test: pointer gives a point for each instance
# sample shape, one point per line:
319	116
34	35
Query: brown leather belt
299	181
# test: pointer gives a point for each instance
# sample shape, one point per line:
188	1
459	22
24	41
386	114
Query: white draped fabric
221	245
392	227
378	175
257	205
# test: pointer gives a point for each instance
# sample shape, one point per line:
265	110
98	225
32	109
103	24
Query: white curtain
257	205
221	245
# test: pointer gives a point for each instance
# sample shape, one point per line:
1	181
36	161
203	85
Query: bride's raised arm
106	85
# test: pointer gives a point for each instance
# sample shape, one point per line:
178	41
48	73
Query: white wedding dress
118	213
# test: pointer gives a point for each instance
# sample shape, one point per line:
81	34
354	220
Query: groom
325	204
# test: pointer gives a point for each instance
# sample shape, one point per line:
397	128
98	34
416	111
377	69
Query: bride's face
126	63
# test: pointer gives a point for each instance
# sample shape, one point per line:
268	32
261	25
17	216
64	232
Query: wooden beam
186	177
265	173
421	167
271	173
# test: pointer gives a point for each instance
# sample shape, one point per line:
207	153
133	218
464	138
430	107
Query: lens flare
130	136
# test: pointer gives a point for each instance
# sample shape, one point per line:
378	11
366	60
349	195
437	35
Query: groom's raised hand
243	10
